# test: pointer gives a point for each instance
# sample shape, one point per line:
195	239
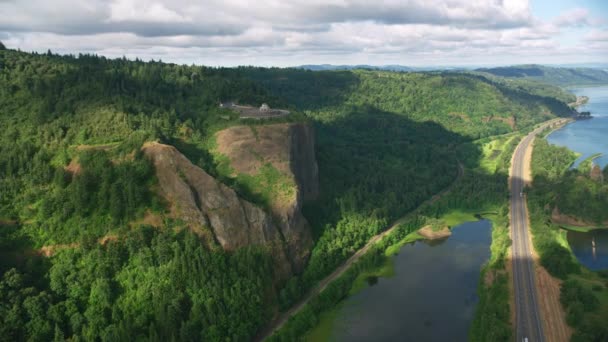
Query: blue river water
431	296
587	136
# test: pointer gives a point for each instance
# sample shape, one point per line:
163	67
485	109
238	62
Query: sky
295	32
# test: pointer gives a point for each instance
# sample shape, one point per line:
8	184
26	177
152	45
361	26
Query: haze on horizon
289	33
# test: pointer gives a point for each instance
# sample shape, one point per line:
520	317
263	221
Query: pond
431	296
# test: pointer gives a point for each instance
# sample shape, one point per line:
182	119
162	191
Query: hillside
562	77
133	206
469	105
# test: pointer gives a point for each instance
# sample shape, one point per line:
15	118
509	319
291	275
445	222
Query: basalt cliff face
216	211
289	148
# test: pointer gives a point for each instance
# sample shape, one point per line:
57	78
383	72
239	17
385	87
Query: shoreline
557	126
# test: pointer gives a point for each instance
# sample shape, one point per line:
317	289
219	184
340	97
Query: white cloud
597	36
279	32
145	12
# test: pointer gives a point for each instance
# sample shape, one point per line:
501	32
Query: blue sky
295	32
548	9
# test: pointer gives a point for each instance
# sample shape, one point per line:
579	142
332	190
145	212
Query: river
587	136
431	296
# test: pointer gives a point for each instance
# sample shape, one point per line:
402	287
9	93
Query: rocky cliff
288	148
204	203
216	211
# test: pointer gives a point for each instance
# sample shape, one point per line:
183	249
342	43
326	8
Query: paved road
283	318
527	313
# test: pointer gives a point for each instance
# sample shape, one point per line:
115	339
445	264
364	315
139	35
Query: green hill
89	249
551	75
470	105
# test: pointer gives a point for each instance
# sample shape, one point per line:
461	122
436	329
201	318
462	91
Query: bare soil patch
428	233
50	250
73	167
108	238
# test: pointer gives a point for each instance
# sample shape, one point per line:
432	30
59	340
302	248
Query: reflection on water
431	297
591	249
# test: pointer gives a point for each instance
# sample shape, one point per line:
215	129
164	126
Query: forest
79	259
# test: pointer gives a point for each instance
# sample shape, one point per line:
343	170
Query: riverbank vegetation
584	294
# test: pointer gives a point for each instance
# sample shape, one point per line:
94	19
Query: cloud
231	17
597	36
578	17
279	32
142	18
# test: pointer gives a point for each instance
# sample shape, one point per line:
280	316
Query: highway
527	313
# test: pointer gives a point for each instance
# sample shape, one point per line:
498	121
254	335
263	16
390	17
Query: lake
431	296
587	136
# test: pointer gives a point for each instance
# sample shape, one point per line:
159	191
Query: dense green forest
78	259
583	292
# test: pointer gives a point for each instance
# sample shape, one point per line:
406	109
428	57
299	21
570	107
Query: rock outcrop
204	203
289	148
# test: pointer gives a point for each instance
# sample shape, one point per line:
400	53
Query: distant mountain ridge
567	75
390	67
322	67
552	75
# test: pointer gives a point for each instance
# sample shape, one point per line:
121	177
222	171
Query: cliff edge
288	150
